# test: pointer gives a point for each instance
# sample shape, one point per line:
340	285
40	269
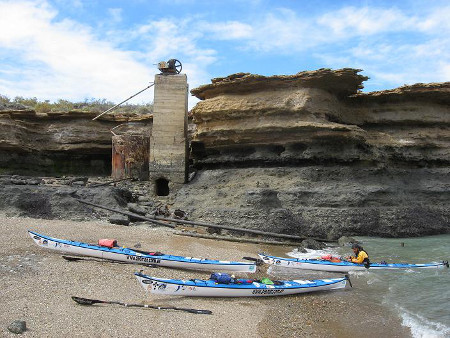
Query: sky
109	49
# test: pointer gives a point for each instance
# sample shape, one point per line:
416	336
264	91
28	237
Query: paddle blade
85	301
200	312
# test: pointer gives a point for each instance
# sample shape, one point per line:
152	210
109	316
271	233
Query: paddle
87	301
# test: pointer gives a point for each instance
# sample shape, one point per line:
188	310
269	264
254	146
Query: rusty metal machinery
171	67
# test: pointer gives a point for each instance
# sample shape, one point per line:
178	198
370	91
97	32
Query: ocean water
421	296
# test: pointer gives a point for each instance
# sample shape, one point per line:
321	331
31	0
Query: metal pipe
250	231
152	84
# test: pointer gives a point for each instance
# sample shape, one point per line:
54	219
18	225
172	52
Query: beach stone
34	182
136	209
145	200
313	244
17	326
119	220
78	179
18	182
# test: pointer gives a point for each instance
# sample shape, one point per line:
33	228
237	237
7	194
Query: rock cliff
320	117
307	154
56	143
314	155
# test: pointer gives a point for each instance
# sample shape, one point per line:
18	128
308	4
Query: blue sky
76	50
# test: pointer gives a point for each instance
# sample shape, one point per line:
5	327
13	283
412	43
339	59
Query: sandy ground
36	285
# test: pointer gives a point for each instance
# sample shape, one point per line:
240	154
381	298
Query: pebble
17	326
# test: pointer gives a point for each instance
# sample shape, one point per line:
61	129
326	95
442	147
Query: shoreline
36	285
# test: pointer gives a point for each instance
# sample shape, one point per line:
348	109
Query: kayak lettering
144	259
266	292
159	286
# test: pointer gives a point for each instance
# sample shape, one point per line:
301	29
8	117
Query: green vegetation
88	105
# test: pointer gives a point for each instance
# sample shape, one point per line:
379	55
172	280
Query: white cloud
283	30
64	59
445	70
351	21
64	56
229	30
437	21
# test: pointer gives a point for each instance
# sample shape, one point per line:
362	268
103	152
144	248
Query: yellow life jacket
362	257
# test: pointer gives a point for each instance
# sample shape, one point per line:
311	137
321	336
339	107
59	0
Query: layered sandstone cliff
62	142
319	116
312	155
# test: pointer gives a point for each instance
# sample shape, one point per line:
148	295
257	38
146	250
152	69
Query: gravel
36	286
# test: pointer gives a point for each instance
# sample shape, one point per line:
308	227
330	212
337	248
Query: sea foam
421	327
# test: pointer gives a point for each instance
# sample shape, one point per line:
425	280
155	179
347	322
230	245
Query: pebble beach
36	286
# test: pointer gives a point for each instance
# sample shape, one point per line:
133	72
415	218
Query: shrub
43	107
89	105
4	99
29	102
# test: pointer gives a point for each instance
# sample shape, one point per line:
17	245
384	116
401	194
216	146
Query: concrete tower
169	142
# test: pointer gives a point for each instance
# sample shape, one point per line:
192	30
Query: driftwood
208	225
128	214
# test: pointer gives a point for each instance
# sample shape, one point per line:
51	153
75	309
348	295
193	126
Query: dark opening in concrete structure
162	187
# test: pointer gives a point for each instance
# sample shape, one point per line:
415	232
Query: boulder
310	243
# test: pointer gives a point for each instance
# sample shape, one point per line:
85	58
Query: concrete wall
168	143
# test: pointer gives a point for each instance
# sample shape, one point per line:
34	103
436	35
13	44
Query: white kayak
240	288
128	255
342	266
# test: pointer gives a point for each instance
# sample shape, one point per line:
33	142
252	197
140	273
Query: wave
310	253
421	327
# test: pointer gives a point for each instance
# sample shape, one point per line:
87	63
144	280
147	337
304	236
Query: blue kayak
128	255
342	266
240	288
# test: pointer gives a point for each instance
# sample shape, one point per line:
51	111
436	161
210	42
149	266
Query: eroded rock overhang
319	117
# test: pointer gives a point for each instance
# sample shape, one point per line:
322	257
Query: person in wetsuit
361	256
